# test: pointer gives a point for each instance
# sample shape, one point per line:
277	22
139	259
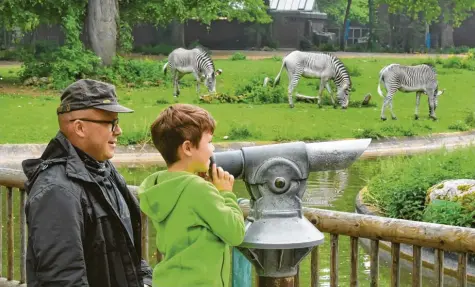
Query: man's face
95	129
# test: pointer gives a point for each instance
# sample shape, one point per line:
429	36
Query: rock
459	190
366	100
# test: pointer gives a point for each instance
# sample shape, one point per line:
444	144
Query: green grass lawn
29	117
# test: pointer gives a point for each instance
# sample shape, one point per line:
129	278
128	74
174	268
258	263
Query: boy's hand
205	176
222	179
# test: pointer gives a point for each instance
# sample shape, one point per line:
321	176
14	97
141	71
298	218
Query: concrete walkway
11	155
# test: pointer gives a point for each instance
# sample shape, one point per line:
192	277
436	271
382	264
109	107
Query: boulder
457	190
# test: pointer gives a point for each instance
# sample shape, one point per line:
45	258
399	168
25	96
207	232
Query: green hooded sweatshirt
195	226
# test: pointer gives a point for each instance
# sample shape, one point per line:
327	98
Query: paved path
12	155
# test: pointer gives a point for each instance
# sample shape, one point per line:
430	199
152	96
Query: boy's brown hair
175	125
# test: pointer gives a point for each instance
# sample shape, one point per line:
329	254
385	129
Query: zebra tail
277	79
379	85
165	68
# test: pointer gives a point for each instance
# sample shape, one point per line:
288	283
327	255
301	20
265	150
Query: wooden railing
357	226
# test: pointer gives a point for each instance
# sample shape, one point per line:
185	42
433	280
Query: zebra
419	78
317	65
197	61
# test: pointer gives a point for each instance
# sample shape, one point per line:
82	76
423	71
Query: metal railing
357	226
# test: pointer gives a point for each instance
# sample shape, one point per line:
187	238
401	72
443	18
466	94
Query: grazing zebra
317	65
419	79
197	61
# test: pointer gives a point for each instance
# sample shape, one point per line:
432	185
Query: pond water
335	190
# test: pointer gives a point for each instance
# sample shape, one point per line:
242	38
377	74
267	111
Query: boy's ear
186	147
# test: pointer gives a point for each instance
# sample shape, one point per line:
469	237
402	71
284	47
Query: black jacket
74	236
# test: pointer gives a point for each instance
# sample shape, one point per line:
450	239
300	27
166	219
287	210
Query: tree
342	36
105	17
341	10
450	13
453	13
336	9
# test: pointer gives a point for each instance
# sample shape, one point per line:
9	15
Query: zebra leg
198	81
418	99
391	109
431	99
331	94
387	99
323	83
293	81
290	91
176	89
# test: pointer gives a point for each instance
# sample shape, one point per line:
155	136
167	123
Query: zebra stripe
196	61
419	79
317	65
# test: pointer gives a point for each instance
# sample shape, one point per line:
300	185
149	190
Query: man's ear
78	129
218	72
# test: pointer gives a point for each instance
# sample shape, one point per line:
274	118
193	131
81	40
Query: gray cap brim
114	108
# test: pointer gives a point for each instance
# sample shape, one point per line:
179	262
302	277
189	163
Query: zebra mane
429	64
204	51
340	63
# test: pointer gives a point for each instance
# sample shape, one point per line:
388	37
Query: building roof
292	6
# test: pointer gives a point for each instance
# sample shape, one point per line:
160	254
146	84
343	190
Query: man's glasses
114	122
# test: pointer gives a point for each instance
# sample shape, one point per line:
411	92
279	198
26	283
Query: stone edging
450	258
11	155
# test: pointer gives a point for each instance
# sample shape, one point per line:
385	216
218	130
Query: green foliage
62	64
240	131
327	123
467	124
459	126
160	49
466	63
400	189
448	212
164	11
237	56
133	73
453	12
336	10
254	92
126	40
354	71
386	131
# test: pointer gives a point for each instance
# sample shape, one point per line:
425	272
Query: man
83	223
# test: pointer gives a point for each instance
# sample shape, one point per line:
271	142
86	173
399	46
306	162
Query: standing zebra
197	61
419	79
317	65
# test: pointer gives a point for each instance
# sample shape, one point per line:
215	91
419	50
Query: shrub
238	56
400	189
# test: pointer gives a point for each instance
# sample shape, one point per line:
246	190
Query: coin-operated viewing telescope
278	236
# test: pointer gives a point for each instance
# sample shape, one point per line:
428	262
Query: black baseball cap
87	94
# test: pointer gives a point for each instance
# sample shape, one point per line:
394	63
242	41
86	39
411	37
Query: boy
196	220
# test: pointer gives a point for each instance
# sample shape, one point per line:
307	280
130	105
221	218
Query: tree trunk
103	18
178	33
342	36
446	35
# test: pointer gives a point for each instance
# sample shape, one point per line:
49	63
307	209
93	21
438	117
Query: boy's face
200	155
